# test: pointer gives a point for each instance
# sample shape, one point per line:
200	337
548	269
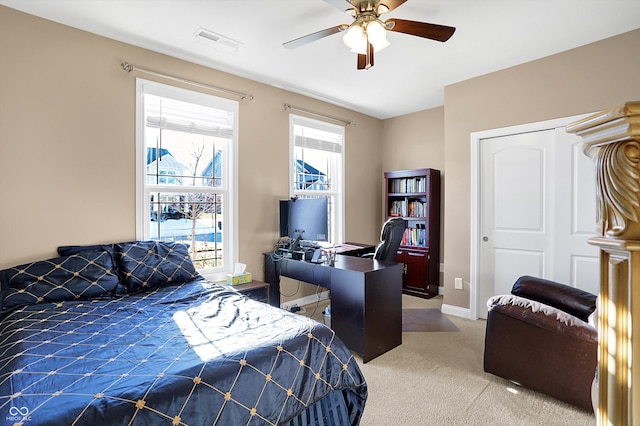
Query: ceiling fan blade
390	5
300	41
421	29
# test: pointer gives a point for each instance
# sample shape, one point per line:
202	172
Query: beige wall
67	138
415	141
586	79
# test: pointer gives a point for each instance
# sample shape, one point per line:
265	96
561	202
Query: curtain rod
129	68
317	114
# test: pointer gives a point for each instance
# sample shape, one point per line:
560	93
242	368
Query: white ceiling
408	76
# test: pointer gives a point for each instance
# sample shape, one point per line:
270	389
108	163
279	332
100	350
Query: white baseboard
306	300
456	311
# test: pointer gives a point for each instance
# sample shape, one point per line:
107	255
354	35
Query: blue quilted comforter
194	354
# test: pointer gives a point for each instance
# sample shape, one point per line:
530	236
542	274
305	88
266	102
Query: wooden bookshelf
414	195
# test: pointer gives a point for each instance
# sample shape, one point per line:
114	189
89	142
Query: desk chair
390	239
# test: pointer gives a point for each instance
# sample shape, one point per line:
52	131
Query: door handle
485	238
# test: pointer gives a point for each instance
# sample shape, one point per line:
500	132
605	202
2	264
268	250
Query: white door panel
511	264
518	193
585	273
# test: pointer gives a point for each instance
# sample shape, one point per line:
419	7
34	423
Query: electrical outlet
458	283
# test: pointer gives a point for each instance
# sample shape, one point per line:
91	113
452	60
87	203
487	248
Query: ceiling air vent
217	41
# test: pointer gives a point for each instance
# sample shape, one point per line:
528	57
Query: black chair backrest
390	237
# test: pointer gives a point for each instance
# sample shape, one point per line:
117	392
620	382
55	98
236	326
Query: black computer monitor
306	218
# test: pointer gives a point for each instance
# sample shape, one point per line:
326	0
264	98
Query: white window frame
229	170
336	231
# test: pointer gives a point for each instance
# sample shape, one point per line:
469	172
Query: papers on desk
327	245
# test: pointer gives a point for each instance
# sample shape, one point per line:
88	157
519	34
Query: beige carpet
438	379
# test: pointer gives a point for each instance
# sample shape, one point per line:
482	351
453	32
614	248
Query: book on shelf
408	208
408	185
415	236
417	208
398	208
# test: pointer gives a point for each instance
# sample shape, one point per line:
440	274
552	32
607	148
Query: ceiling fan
367	33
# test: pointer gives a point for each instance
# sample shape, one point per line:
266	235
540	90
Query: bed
130	333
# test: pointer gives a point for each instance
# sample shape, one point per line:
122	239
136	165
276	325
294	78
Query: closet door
516	212
537	211
576	262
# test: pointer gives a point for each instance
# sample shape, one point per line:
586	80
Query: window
317	166
186	144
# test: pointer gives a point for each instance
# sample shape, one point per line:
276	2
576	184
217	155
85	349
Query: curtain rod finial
127	66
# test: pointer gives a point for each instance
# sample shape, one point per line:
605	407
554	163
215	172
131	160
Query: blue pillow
69	250
85	275
149	264
109	248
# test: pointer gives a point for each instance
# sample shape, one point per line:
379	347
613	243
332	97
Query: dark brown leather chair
540	337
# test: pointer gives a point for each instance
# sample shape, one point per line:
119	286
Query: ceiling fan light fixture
355	39
377	35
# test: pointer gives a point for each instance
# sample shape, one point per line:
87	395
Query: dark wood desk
366	298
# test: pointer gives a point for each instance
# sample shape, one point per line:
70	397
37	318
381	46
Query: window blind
170	114
314	135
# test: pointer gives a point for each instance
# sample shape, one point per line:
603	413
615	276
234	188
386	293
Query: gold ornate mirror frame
612	139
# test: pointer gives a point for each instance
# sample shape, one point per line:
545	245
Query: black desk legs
272	276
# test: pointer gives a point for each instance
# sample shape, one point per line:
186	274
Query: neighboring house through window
186	150
317	166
